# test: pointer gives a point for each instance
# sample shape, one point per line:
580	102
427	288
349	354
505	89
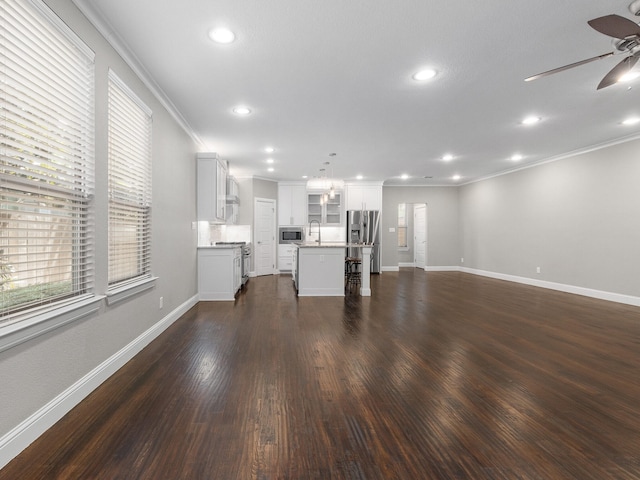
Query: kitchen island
318	269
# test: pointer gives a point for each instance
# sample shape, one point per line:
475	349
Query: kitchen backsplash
209	234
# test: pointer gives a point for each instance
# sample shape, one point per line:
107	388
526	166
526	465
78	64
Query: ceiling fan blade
616	72
615	26
567	67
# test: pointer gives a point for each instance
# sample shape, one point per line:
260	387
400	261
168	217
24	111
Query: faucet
318	222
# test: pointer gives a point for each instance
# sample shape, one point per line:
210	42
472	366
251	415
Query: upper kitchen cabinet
292	204
364	196
327	213
211	188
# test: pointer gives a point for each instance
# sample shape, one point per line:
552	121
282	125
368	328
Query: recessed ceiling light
242	111
269	149
359	177
456	177
221	35
404	176
305	176
270	169
516	157
448	157
423	75
631	121
269	160
532	120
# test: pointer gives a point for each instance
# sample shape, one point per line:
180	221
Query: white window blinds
402	225
129	186
46	160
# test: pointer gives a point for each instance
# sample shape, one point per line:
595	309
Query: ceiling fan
628	34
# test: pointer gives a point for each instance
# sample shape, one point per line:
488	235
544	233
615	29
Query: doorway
264	222
420	235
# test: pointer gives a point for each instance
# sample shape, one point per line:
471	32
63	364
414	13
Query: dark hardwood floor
436	376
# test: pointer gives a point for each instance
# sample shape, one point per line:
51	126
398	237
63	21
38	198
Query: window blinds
129	185
46	159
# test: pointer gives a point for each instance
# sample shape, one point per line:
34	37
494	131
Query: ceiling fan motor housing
634	7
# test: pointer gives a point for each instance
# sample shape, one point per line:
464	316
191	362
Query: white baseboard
442	269
406	264
390	269
20	437
561	287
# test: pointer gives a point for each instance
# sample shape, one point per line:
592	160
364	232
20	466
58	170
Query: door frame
274	204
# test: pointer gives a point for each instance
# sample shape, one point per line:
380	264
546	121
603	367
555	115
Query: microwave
290	235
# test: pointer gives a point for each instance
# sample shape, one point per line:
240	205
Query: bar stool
353	274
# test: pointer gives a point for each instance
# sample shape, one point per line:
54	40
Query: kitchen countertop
219	246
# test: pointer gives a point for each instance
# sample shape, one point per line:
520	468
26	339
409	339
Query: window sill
403	249
123	292
23	330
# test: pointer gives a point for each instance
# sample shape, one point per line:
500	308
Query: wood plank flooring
436	376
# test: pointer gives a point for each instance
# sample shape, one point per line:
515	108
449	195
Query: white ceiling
335	76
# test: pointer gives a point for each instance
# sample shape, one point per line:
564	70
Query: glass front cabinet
329	213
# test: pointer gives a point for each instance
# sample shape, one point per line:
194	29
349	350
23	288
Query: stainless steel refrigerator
363	226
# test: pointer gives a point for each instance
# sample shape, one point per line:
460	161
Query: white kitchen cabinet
364	197
219	272
292	204
329	213
211	188
285	257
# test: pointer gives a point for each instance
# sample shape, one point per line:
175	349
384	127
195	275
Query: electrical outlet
161	302
537	269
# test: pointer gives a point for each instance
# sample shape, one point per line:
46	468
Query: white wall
442	224
33	373
578	219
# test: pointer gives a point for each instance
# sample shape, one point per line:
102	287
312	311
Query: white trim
20	331
389	269
406	264
52	17
113	77
20	437
562	156
113	38
441	269
561	287
120	293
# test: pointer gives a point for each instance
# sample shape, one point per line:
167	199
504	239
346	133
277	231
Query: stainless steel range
247	249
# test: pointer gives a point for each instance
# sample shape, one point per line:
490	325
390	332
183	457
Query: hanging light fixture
323	183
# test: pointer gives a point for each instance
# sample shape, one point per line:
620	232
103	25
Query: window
129	152
402	226
46	161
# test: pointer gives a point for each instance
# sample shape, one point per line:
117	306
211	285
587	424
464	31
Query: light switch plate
392	229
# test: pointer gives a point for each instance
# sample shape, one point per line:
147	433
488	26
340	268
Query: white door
420	235
264	222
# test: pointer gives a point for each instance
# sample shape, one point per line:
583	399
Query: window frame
137	199
30	320
402	226
48	140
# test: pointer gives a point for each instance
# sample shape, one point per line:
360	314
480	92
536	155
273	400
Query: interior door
420	235
264	236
